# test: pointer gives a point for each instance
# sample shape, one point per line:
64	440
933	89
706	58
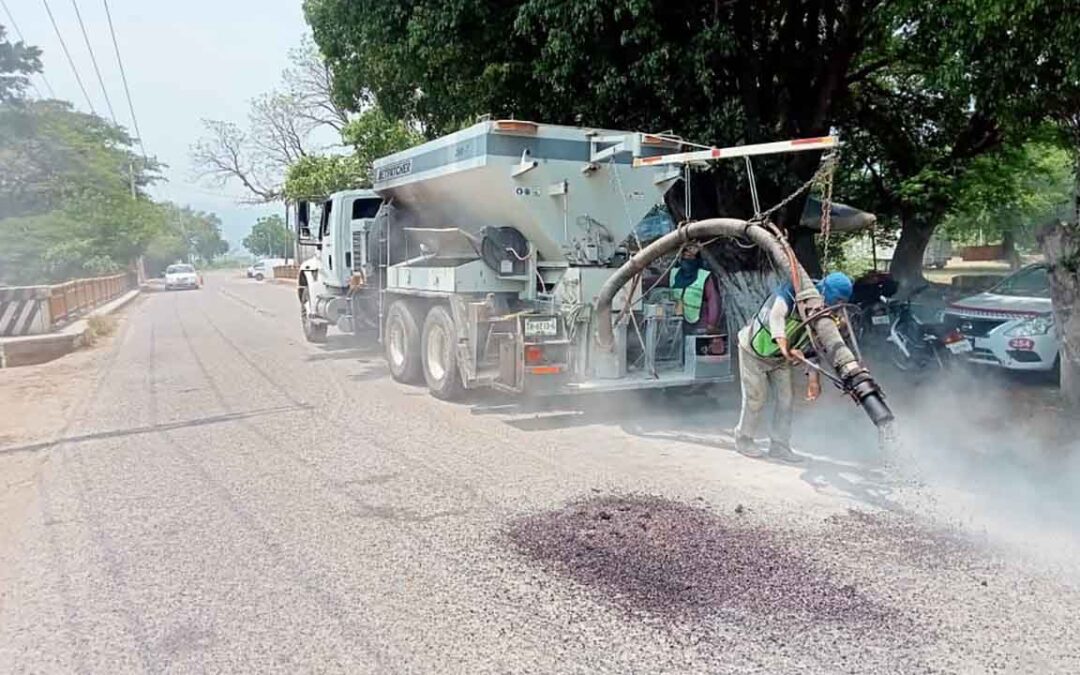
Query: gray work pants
757	376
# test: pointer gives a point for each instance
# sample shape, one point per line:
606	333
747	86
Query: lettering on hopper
396	170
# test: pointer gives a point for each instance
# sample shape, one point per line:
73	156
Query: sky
185	61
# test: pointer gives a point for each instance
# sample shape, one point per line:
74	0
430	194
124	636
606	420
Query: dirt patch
675	560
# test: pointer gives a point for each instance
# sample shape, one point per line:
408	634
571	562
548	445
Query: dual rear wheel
427	352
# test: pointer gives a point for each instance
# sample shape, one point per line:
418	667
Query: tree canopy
73	199
17	62
270	237
917	88
370	135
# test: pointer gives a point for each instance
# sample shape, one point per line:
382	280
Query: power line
22	39
93	60
123	76
71	63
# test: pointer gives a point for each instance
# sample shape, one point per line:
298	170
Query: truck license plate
548	327
961	347
880	320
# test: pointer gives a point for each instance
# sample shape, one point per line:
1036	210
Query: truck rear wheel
402	343
439	349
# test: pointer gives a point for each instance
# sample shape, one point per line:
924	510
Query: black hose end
877	410
868	394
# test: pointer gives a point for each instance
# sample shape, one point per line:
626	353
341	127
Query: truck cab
335	284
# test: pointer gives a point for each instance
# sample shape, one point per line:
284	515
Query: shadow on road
151	428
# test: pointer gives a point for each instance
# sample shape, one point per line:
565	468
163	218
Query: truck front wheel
313	332
402	343
440	355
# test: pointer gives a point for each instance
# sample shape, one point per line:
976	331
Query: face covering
688	271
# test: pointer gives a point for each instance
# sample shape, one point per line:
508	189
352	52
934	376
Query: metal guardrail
75	298
33	310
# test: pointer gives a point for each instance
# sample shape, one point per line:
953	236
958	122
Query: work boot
782	452
746	446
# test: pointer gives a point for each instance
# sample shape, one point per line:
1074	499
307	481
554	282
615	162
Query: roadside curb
32	349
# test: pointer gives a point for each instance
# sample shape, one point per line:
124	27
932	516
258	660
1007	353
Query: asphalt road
224	497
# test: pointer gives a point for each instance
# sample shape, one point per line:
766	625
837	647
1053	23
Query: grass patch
99	327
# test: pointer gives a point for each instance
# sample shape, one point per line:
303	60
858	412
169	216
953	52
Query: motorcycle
918	345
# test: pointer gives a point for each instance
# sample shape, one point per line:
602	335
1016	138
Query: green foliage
1015	190
183	234
371	134
919	89
315	176
271	238
53	155
17	62
66	203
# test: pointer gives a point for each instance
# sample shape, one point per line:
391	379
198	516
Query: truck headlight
1039	325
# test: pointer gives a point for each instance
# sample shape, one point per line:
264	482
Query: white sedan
1012	324
180	276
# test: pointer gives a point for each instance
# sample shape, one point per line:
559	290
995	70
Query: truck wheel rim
436	346
397	344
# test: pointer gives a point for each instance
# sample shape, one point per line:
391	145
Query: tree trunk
1061	244
907	262
1008	247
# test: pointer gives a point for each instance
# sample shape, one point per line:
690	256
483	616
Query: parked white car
264	268
1012	324
181	276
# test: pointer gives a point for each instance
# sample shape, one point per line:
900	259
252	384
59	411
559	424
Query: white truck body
477	258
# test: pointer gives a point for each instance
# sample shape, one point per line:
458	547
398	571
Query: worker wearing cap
770	347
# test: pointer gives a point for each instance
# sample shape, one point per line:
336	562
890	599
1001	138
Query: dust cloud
990	453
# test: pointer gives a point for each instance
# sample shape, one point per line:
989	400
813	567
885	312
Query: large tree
291	124
270	237
919	88
66	202
370	135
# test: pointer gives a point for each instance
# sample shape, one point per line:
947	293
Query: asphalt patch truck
486	259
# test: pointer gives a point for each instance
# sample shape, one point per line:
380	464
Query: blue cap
835	288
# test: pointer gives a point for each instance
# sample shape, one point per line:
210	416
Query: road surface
215	495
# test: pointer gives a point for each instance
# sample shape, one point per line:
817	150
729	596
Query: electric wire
71	62
93	60
22	39
123	77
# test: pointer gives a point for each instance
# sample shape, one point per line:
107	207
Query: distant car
1012	324
181	276
264	268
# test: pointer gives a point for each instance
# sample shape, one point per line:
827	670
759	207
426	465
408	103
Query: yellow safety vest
692	296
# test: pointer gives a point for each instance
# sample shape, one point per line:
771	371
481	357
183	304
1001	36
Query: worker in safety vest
698	295
770	347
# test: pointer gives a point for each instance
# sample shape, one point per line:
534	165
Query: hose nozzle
866	392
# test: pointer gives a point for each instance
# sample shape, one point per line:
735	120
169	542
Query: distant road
224	497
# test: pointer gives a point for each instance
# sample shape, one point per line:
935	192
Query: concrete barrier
36	310
25	310
24	350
